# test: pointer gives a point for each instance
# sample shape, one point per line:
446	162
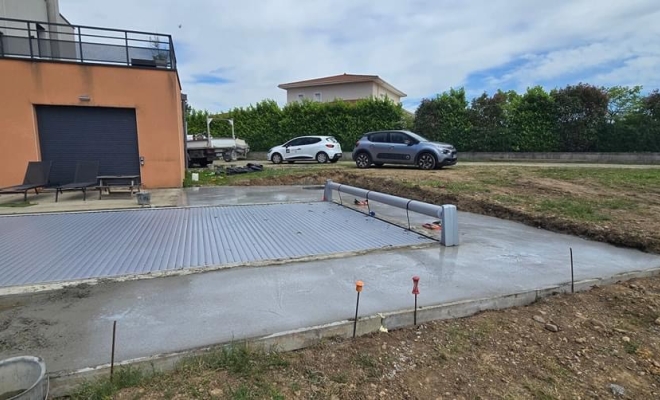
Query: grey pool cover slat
71	246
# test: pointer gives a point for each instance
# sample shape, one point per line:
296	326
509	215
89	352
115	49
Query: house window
317	96
301	97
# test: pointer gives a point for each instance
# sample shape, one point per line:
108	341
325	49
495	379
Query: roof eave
391	88
287	86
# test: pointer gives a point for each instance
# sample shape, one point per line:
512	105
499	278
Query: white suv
323	149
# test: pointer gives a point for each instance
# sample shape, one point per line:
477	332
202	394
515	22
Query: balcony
42	41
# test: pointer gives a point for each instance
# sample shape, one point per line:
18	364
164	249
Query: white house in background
347	87
52	35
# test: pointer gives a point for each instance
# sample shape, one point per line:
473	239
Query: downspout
184	108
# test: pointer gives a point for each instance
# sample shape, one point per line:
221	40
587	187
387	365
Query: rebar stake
572	278
415	291
358	289
112	356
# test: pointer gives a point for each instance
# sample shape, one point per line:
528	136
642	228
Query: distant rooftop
341	79
43	41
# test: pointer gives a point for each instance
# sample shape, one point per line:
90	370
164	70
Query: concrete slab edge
64	383
45	287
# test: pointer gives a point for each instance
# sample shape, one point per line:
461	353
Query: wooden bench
109	181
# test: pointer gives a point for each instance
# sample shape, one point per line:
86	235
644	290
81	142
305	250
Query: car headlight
445	151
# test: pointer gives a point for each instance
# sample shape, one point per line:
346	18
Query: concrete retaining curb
64	383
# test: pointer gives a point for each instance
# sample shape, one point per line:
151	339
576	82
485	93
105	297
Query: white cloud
421	47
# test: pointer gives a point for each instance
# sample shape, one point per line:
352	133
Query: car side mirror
410	142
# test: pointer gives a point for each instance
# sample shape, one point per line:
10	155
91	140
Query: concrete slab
73	201
240	195
73	327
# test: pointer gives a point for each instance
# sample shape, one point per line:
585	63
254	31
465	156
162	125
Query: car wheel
426	161
378	165
276	158
322	158
363	160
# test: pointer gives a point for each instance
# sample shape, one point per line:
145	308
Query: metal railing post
30	39
82	59
128	59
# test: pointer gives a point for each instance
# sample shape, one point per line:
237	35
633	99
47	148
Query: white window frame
318	97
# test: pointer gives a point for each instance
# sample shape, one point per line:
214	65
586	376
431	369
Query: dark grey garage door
71	134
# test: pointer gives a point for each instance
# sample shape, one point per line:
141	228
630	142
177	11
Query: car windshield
417	137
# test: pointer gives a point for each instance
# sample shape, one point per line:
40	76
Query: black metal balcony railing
85	44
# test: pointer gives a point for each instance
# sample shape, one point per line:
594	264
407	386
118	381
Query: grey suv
402	147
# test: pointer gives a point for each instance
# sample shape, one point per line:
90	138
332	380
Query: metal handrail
86	47
420	207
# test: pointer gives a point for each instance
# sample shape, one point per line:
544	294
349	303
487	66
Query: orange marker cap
358	286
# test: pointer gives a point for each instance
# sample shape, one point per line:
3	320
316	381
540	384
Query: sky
232	53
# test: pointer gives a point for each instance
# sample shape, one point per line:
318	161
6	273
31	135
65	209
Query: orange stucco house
75	93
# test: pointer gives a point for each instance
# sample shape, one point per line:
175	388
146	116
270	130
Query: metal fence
85	44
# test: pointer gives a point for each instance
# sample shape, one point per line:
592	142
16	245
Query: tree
533	122
489	120
651	104
445	118
581	112
623	101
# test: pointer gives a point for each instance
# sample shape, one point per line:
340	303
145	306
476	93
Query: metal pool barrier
446	213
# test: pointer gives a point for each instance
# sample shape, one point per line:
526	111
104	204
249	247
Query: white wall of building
382	92
345	91
328	93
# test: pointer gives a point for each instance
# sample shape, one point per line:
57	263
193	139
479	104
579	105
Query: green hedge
265	124
575	118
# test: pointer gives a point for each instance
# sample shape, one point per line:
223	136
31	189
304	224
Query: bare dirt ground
604	343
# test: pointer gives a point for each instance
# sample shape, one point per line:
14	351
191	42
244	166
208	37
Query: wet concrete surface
496	257
235	195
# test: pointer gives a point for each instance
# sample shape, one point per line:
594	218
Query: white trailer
202	151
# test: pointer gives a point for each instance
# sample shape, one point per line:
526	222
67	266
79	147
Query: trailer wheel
226	156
